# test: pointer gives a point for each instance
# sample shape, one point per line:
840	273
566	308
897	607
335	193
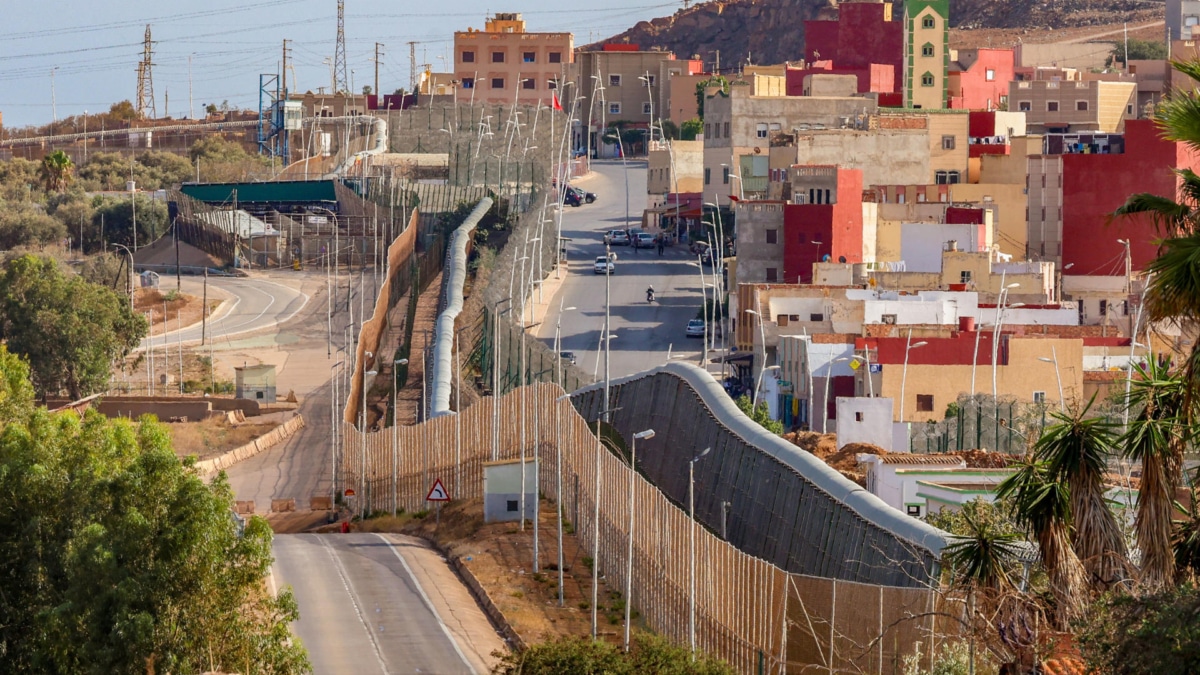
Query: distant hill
772	31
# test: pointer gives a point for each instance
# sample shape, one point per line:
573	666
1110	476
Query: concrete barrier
244	507
320	503
221	462
283	505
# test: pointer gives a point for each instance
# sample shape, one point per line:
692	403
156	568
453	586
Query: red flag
557	105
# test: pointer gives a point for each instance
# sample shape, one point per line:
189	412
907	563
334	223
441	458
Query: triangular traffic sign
438	492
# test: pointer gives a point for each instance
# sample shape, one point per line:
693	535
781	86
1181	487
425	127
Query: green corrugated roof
283	191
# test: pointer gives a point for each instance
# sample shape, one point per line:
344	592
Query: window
947	142
726	130
1051	106
614	80
927	22
888	319
497	83
989	75
858	416
775	126
1129	110
927	49
964	277
468	57
552	84
650	81
954	177
1024	106
941	177
528	57
614	108
528	83
555	57
1081	105
647	108
497	57
1039	397
924	402
513	505
707	175
913	510
725	175
772	236
927	80
468	83
1103	307
816	317
782	320
760	130
772	274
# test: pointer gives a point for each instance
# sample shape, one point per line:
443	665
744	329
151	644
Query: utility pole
377	55
341	84
285	67
191	106
53	97
412	67
145	87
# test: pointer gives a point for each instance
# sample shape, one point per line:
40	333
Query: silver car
604	266
695	328
617	238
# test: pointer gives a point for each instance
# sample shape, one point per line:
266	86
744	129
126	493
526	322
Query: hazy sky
96	45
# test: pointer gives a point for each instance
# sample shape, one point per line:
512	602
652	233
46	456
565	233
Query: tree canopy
71	331
116	558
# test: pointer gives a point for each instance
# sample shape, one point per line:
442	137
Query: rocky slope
772	31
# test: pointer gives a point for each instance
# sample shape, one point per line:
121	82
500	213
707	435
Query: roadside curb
501	624
223	461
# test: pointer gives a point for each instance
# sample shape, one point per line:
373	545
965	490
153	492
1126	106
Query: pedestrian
660	248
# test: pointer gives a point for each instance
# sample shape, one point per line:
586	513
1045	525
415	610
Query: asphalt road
363	609
254	304
645	331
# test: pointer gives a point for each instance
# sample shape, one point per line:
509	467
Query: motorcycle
650	295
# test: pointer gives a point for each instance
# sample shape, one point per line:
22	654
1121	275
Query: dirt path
408	399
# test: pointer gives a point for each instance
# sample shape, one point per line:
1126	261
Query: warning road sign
438	492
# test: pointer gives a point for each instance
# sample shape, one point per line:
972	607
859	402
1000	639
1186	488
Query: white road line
354	601
425	599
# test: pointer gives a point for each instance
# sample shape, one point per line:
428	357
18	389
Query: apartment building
1064	106
505	63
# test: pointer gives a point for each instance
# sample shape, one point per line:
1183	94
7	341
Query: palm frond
1191	68
1178	116
1174	290
1168	216
984	555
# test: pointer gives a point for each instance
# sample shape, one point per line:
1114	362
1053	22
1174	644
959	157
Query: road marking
425	599
337	563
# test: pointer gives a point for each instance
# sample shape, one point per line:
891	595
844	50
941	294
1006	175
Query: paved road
378	604
645	332
254	304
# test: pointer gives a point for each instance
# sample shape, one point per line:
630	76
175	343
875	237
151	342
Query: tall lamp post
645	435
395	429
559	498
692	550
762	334
866	361
758	386
363	433
908	347
333	428
558	339
1062	403
703	309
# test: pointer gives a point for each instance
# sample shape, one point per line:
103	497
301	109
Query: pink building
979	78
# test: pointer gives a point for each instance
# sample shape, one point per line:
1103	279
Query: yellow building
505	64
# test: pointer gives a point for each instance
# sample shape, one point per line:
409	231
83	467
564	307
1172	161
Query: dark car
571	198
586	196
569	357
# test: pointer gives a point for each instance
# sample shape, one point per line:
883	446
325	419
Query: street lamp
692	550
559	493
363	433
762	334
741	183
866	361
703	309
908	347
754	403
818	244
558	339
129	280
395	429
646	435
333	428
1062	404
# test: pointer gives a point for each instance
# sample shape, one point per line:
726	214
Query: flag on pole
557	105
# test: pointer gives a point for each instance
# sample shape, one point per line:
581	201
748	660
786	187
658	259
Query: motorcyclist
650	294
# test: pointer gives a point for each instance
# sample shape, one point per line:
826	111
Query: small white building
502	490
869	420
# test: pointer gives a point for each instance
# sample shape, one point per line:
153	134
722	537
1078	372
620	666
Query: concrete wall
922	244
864	420
885	157
678	169
755	255
164	410
502	487
1009	200
1082	55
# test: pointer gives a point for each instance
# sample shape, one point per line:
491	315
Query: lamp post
754	403
129	280
559	492
741	184
762	334
866	361
703	310
908	347
646	435
997	325
363	433
558	339
691	550
333	427
395	429
1062	404
825	400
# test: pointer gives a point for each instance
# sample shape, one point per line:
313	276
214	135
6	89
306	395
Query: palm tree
1186	538
1076	452
1156	438
1043	506
56	171
984	555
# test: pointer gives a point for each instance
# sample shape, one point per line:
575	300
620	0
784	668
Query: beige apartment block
504	63
677	166
1044	206
624	86
1074	105
681	98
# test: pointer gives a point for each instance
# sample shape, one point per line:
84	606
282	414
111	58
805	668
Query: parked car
695	328
569	357
644	240
571	198
617	238
586	196
604	266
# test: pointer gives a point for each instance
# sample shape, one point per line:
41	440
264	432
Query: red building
864	33
979	78
876	77
829	223
1094	185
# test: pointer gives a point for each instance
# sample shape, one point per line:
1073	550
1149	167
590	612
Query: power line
341	83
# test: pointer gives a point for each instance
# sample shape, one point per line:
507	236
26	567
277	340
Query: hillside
772	31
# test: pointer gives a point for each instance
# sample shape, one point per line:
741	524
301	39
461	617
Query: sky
93	47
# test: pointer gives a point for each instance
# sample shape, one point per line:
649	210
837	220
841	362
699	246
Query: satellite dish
758	151
841	258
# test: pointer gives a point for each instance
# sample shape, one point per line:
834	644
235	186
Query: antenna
341	83
145	85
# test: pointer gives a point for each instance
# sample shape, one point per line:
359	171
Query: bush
1155	633
582	656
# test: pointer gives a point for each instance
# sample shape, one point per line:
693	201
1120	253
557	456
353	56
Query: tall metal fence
747	611
982	422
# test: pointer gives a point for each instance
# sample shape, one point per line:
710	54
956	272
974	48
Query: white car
604	266
617	238
695	328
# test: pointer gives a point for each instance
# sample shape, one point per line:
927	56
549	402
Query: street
373	603
644	331
253	304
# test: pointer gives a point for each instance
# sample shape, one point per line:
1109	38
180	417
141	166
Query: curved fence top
443	341
866	505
